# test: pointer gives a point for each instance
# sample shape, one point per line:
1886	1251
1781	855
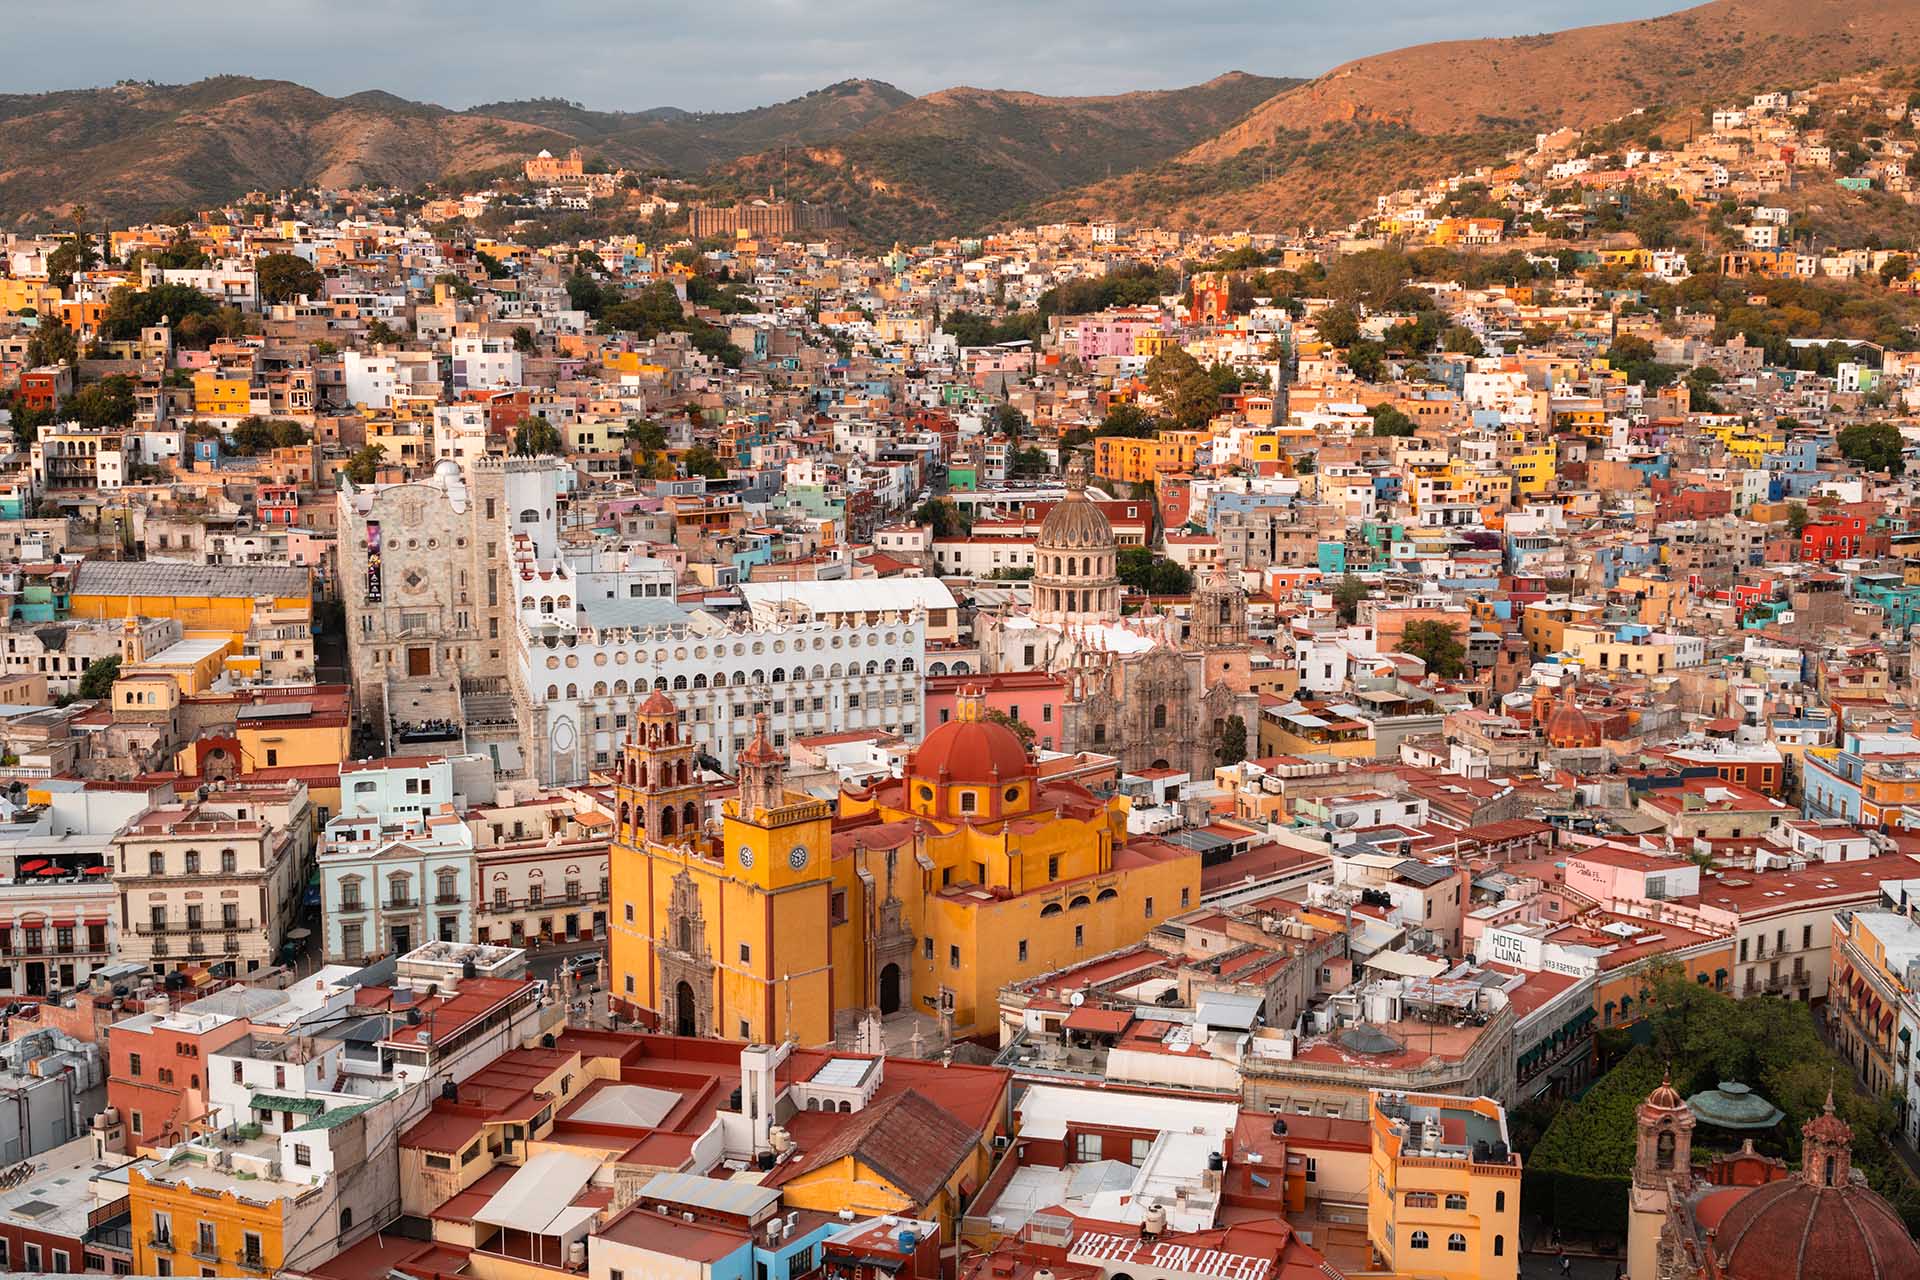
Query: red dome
971	751
658	704
1792	1230
1572	727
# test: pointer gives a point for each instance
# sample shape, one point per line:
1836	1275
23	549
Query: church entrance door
890	990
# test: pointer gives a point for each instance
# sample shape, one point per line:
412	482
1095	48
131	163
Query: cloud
730	54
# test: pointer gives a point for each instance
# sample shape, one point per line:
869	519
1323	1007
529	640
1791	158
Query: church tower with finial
657	790
1662	1170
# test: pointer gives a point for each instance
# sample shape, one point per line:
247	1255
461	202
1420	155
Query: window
61	1262
1149	908
439	1162
1499	1202
953	957
303	1155
133	1069
1079	935
156	864
1499	1246
746	954
239	1073
926	948
193	862
229	861
1418	1240
630	905
1138	1155
32	1258
1456	1243
1023	951
1053	868
1313	1169
133	1122
1186	898
207	1244
1086	1147
471	1154
1456	1201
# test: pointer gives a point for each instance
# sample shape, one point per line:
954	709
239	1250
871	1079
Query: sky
725	55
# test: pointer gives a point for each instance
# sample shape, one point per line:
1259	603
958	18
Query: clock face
746	858
797	857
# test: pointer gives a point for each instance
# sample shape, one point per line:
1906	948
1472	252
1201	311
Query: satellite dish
1077	999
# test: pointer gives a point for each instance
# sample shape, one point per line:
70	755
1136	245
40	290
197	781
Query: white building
590	644
397	867
485	362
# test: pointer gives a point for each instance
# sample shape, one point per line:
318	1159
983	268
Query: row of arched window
680	684
1456	1243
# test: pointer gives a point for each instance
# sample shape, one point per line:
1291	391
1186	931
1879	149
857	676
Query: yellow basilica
928	892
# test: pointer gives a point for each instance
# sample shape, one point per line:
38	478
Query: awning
537	1199
1106	1022
60	924
281	1102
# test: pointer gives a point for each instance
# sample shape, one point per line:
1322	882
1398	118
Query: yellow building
207	600
191	1220
1533	469
925	894
1136	460
219	397
1443	1195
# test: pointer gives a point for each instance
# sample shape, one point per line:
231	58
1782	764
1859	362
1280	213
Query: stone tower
658	789
1662	1164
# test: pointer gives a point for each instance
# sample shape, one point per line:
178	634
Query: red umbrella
34	865
96	871
53	871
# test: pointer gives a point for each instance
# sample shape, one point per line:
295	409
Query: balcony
165	928
158	1240
447	900
508	906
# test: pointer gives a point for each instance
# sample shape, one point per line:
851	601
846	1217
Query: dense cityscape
580	724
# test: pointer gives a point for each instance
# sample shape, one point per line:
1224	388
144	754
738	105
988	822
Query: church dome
1074	525
978	752
1572	727
1793	1230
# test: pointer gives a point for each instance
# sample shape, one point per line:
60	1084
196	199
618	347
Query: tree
106	403
1462	340
1009	422
1436	644
71	258
1796	518
1154	575
1026	464
523	340
382	334
97	680
1126	419
1186	394
1023	730
1230	742
1389	421
285	276
945	519
1347	595
258	435
702	461
1898	267
535	437
365	464
1338	325
1875	446
52	343
1368	360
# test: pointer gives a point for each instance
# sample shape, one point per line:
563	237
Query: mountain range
1238	150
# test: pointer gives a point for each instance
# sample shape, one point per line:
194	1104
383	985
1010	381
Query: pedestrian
1566	1265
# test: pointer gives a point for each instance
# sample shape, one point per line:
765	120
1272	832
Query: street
1546	1266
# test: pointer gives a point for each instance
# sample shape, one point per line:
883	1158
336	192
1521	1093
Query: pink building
1032	697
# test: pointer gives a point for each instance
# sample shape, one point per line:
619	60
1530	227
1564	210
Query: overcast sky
730	54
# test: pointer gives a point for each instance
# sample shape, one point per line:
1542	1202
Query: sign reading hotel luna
1132	1251
373	562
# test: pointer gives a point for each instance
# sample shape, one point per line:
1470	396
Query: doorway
419	661
402	939
683	1010
890	990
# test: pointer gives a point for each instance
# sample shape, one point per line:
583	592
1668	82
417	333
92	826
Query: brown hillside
959	159
1316	152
